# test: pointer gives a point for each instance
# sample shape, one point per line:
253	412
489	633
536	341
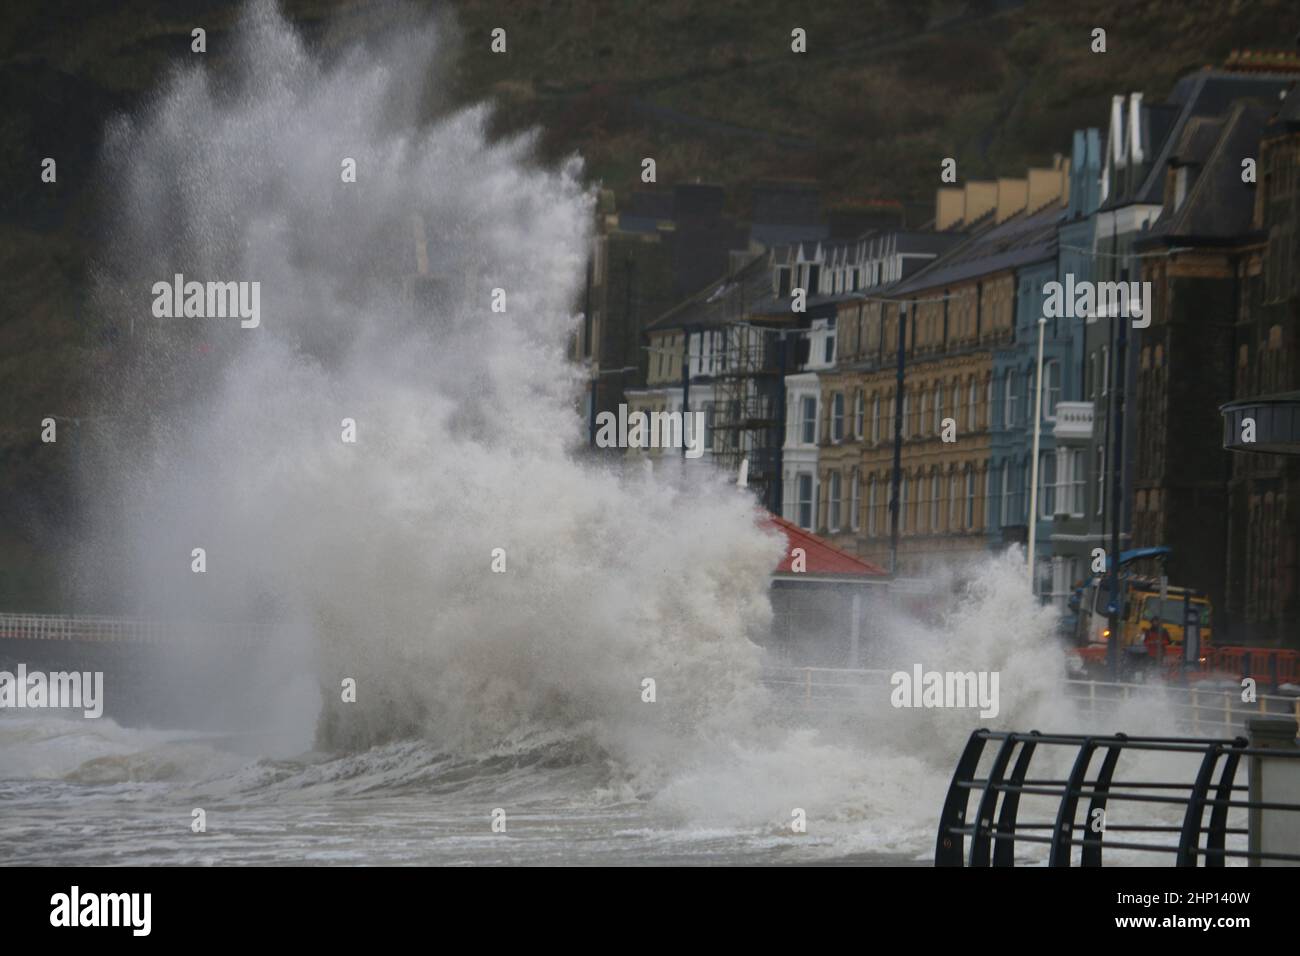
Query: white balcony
1073	420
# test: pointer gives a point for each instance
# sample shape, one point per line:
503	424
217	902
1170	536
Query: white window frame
1009	399
855	500
1051	389
834	500
809	502
871	506
954	503
969	522
808	422
922	508
936	503
1078	482
1006	492
1046	487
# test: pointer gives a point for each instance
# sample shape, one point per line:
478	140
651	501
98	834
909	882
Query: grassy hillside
710	89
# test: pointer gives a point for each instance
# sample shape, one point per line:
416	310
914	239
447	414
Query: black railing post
1004	854
982	837
1272	739
1189	841
1217	834
1063	831
948	849
1101	793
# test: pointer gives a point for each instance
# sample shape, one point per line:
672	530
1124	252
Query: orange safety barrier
1265	665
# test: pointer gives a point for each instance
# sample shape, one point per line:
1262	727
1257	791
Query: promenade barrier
1095	809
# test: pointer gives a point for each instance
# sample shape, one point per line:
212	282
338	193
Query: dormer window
783	282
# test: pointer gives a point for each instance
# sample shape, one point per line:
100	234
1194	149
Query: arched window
936	501
1051	389
875	417
954	502
833	502
1008	484
871	507
1009	399
970	498
804	501
902	506
922	509
855	501
992	486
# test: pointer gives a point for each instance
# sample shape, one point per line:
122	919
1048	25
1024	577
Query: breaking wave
373	561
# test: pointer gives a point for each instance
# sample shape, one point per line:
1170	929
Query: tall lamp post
1033	481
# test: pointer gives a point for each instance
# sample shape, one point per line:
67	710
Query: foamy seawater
458	611
111	796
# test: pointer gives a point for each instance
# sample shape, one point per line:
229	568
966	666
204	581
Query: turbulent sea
497	599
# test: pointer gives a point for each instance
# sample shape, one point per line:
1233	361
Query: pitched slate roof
1021	240
1205	93
1217	204
732	298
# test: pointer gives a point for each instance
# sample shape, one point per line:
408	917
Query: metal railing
68	627
1196	708
105	629
991	835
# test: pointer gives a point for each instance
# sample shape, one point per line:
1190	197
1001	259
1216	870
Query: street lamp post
1033	481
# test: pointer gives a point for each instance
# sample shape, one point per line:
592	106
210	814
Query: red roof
821	557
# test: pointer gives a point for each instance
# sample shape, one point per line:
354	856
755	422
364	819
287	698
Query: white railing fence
1200	709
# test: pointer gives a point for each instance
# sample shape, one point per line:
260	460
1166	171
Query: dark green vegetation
707	87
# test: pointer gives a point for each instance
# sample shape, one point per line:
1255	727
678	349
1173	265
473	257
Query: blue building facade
1077	467
1013	392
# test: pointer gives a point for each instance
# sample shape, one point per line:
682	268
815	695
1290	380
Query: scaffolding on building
749	413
